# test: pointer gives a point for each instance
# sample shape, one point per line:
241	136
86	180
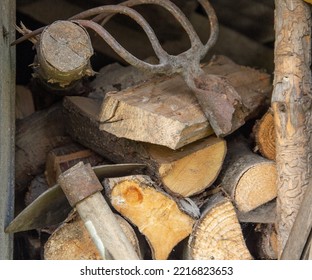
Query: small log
63	54
249	179
217	235
62	158
267	246
264	133
71	240
24	103
164	111
36	136
157	216
183	172
264	214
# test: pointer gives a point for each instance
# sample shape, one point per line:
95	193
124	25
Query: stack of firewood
197	193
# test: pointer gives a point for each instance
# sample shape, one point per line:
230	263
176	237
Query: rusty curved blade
52	207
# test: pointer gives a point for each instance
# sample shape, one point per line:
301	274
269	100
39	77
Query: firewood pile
199	195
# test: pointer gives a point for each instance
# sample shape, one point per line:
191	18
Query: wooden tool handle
82	188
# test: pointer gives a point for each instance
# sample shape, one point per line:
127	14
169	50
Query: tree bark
291	105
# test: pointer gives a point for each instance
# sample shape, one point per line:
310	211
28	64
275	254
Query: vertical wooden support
7	120
291	103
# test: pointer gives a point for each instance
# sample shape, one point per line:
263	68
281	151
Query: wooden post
7	117
291	103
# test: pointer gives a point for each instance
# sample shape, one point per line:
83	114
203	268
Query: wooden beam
291	103
7	117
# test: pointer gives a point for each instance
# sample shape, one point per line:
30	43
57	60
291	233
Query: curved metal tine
28	35
114	9
120	50
214	26
171	8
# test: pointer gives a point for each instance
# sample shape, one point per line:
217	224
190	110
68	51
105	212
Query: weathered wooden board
7	124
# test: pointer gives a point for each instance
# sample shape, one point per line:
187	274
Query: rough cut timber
183	172
64	157
165	112
291	104
157	216
264	133
71	240
217	235
36	136
248	178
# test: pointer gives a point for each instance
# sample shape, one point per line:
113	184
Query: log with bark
36	136
184	172
267	244
63	54
217	235
156	215
291	104
249	179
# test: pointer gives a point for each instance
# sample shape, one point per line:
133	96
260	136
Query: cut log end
72	241
155	213
265	135
218	235
200	168
63	53
256	186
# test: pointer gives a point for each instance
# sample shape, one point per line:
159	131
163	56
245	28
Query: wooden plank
7	123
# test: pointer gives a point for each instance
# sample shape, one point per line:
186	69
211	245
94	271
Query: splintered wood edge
264	131
72	241
217	235
256	186
156	214
196	171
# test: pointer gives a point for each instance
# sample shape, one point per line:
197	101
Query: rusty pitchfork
218	99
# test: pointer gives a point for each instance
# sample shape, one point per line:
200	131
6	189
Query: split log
164	111
217	235
72	241
249	179
36	136
63	54
62	158
183	172
291	104
156	215
264	133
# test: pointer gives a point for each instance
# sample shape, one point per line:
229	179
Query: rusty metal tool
217	98
83	191
52	207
